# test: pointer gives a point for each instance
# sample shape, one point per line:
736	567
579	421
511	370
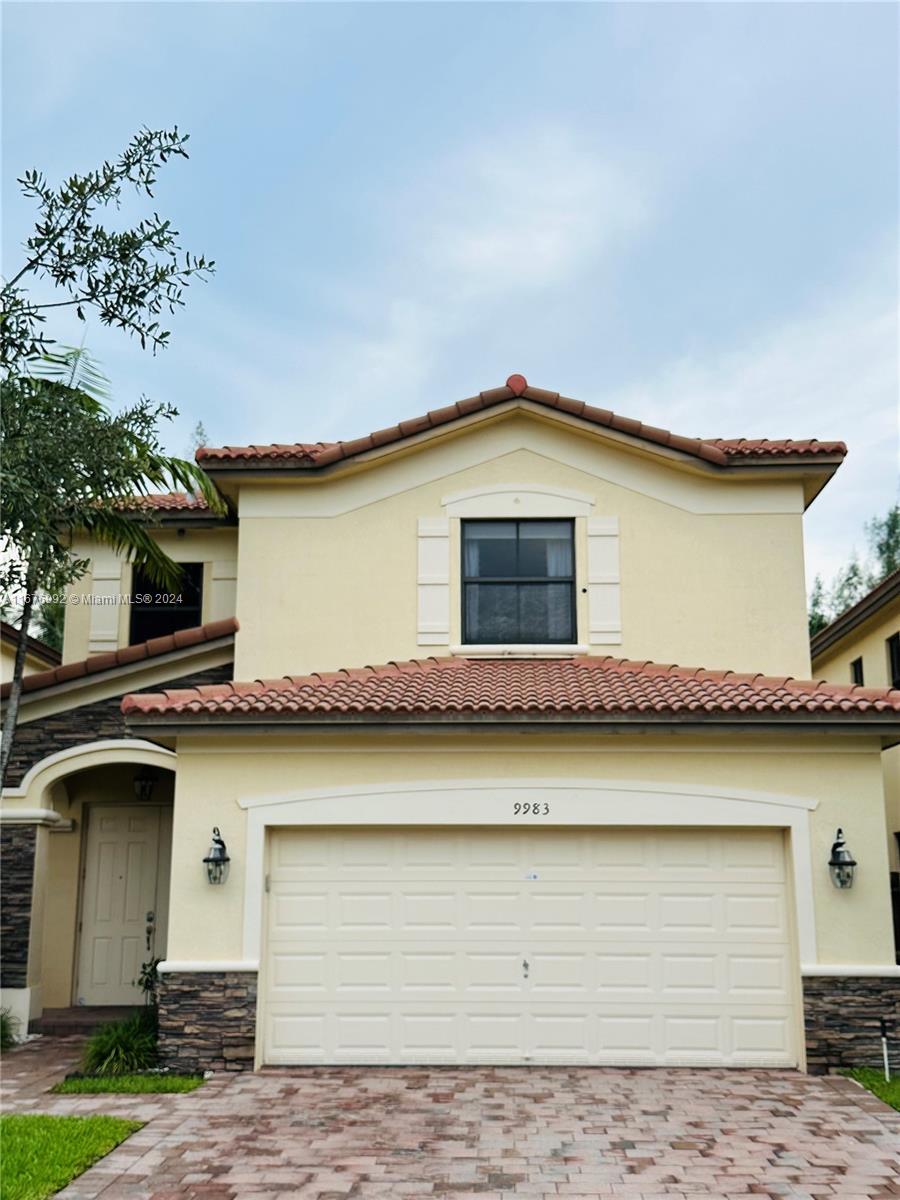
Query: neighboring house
473	812
38	655
862	646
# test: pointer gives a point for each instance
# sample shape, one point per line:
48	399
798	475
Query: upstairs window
856	672
893	653
157	611
518	582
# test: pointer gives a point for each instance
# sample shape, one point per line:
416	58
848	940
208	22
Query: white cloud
530	212
463	238
832	373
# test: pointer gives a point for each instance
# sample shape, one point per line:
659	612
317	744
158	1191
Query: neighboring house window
856	672
156	611
518	582
893	649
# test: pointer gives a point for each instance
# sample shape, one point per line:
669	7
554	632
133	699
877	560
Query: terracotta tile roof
769	448
720	451
181	640
165	502
550	687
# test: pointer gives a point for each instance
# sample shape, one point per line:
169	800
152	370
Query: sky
686	213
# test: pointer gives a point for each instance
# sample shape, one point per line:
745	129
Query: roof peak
717	452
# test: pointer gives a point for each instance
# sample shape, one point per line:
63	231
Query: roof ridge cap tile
721	451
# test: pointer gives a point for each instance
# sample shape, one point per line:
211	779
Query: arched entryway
101	816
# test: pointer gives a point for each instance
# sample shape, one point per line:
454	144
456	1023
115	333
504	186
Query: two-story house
503	717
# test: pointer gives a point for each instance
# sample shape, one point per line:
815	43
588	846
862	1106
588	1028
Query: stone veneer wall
843	1014
207	1020
17	843
34	740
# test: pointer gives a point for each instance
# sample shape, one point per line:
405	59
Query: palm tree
72	465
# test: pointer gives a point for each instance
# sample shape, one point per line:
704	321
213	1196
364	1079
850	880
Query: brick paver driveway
503	1132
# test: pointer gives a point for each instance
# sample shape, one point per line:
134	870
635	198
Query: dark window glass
856	671
893	649
518	582
157	611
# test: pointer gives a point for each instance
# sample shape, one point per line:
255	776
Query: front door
121	895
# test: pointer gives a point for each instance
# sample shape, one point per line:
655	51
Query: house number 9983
538	809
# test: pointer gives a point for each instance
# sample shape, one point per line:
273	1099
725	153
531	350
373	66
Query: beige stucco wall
8	659
711	572
869	642
845	780
97	629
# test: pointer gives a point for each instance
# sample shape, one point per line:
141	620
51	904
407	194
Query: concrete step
66	1022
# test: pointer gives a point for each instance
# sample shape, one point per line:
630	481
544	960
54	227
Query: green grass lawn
873	1079
40	1155
129	1083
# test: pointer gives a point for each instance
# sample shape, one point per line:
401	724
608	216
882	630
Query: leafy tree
69	462
128	279
884	543
850	585
199	438
49	623
857	578
818	615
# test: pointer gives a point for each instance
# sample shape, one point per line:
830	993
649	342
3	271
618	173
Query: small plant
9	1029
122	1047
148	980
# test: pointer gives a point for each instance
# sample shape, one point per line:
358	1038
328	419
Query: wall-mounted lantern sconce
144	782
842	864
216	862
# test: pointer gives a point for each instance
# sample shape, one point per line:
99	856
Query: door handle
151	925
524	968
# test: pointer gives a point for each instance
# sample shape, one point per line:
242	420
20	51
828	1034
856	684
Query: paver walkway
455	1134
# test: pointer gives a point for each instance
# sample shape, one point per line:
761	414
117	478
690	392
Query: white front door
120	901
491	945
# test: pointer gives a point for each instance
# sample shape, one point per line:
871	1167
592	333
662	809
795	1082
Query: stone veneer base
843	1014
17	847
207	1020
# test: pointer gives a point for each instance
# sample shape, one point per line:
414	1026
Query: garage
502	945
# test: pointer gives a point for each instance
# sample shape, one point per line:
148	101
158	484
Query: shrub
122	1047
9	1029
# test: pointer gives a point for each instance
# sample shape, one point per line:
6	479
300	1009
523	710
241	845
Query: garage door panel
596	946
759	977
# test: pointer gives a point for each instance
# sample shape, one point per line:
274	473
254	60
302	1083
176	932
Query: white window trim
518	500
518	650
510	501
433	582
604	582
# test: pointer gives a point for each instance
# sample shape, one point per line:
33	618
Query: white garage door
498	945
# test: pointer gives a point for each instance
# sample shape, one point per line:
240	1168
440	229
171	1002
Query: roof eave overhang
814	471
196	517
886	726
174	662
871	606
